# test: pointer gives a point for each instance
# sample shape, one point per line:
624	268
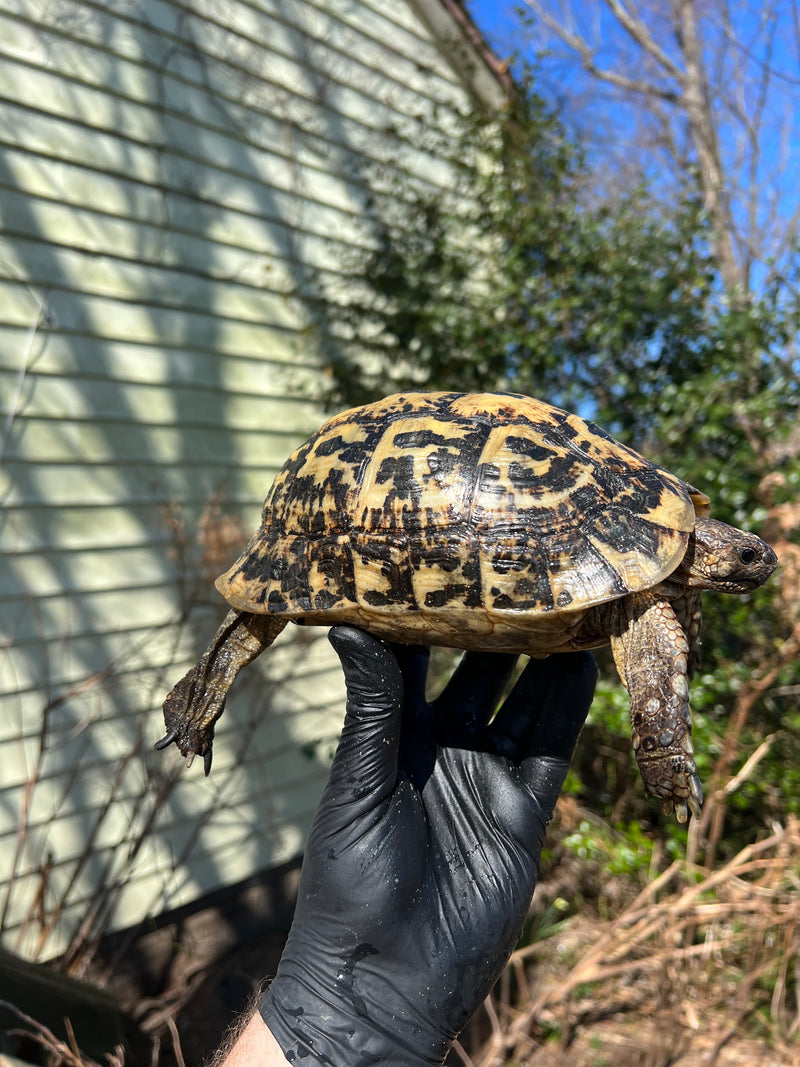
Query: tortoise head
721	557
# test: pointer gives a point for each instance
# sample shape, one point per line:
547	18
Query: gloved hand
424	851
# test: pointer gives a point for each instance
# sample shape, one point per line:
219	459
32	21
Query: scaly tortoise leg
688	609
652	657
196	702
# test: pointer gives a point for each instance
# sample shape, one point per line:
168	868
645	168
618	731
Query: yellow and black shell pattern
446	512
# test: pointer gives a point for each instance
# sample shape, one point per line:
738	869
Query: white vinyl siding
178	184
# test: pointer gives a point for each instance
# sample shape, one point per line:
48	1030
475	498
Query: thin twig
176	1041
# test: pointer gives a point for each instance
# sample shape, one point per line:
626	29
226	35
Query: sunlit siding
177	183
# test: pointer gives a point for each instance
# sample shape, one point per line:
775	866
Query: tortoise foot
189	720
674	780
196	702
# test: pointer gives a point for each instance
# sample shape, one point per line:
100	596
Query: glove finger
564	694
413	661
545	710
470	698
365	763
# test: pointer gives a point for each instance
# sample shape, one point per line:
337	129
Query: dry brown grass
58	1053
708	956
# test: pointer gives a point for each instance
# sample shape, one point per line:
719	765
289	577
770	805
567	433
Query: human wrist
255	1044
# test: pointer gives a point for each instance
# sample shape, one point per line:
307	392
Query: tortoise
486	521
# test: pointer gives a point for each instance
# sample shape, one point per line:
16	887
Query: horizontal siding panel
79	528
60	398
141	659
159	115
187	498
155	882
251	44
250	262
112	817
51	138
172	645
71	140
389	28
253	183
55	618
141	662
118	320
220	837
138	656
241	759
91	572
127	361
345	32
195	273
298	721
217	207
56	798
210	447
81	805
108	486
213	447
394	31
146	120
152	605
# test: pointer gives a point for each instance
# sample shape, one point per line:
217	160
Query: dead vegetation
58	1053
699	967
699	961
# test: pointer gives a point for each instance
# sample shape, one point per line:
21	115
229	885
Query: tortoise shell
444	517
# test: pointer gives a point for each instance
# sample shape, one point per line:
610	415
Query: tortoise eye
747	555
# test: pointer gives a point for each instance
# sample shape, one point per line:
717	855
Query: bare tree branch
580	45
697	105
704	78
636	29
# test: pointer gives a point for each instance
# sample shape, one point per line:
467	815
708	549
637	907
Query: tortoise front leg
688	608
196	702
652	656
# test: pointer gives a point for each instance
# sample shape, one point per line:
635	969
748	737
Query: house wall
179	185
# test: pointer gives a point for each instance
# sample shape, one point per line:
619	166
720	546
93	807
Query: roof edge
454	29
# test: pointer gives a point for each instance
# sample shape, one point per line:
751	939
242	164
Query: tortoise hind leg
194	704
652	656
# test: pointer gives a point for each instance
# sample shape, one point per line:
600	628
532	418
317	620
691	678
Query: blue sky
764	187
498	23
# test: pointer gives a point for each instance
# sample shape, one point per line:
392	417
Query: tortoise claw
682	807
207	762
696	796
165	742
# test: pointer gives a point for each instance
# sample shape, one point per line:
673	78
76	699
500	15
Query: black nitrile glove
423	853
